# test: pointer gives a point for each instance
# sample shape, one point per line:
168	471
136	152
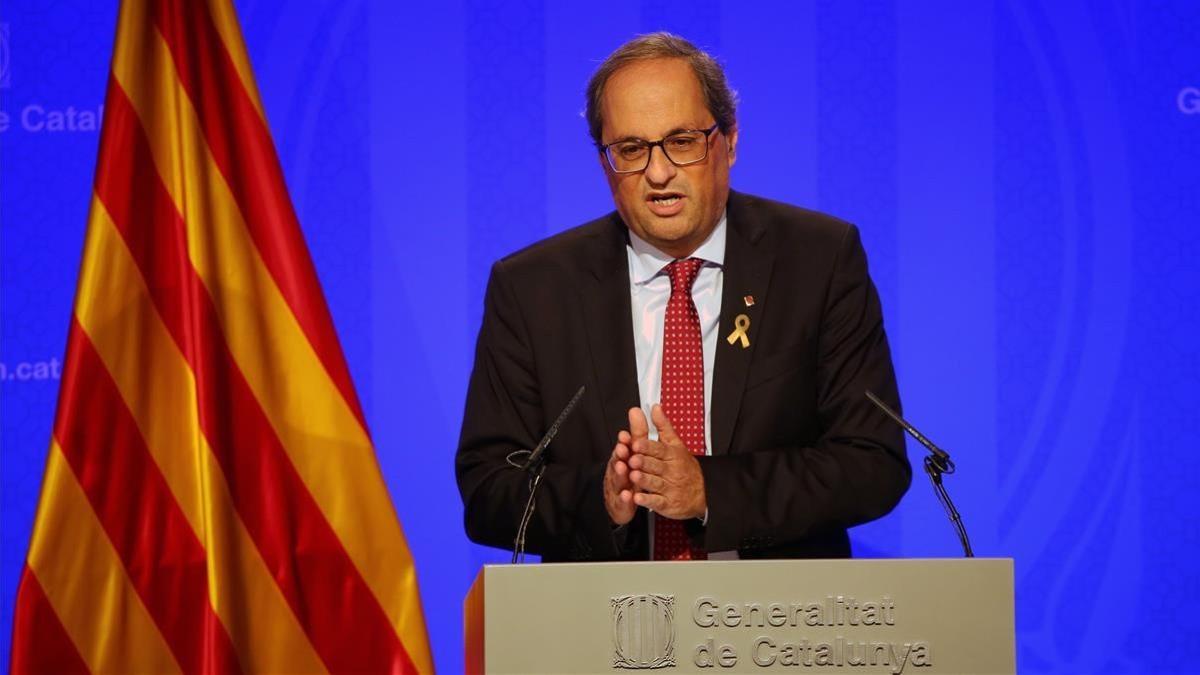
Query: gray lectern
811	616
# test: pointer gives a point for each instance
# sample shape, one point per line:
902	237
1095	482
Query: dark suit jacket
799	454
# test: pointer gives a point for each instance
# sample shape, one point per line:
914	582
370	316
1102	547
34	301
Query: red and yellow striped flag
212	500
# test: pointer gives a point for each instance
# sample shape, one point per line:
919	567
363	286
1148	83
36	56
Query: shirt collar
648	262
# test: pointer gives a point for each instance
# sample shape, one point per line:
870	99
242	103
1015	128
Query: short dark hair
718	97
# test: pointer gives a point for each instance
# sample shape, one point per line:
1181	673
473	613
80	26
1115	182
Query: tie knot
683	274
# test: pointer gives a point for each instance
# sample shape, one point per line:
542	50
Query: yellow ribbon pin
740	325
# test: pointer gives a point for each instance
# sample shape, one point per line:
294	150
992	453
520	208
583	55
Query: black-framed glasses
683	148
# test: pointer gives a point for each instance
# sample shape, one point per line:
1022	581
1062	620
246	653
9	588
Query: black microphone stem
534	465
535	479
935	476
937	463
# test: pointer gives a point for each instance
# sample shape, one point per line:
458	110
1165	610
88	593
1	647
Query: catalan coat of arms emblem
643	631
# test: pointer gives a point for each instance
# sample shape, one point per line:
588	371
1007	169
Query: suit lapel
746	275
609	318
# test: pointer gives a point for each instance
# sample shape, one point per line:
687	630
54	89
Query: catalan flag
212	501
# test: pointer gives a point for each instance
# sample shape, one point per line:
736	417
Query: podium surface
812	616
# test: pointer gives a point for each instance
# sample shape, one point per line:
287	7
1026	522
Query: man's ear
731	139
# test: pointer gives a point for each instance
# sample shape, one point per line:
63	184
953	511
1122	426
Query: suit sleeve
504	413
856	471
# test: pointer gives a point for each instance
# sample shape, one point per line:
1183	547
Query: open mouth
665	203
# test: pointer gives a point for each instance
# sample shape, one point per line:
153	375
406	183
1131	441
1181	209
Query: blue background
1026	174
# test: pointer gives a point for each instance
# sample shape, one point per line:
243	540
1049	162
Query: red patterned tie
682	393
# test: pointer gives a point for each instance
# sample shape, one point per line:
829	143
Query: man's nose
660	170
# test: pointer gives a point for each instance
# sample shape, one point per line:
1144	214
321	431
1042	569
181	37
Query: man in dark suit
755	323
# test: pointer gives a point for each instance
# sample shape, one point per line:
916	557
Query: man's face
674	208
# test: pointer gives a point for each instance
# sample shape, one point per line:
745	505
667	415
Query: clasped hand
663	475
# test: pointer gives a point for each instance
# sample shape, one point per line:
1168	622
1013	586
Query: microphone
942	456
535	457
534	465
937	462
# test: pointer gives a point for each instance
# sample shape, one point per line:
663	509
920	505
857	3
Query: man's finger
648	463
620	453
651	448
638	428
666	433
653	502
647	482
618	467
